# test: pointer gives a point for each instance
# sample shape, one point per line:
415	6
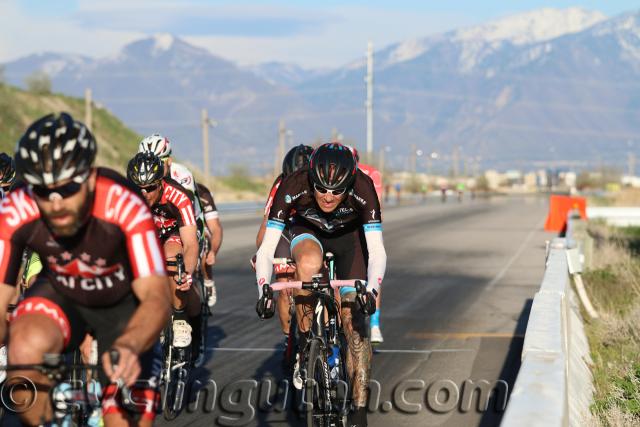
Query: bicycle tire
317	386
172	387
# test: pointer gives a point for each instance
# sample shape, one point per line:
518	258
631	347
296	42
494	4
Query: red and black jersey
206	200
295	197
117	245
272	194
174	210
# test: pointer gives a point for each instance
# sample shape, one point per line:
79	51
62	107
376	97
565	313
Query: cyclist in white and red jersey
374	174
295	159
175	222
103	268
208	221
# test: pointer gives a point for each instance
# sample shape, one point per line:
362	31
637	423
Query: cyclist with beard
103	269
336	210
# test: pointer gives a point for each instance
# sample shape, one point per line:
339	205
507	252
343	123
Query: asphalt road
456	298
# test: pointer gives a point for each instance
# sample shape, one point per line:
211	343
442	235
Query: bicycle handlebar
278	286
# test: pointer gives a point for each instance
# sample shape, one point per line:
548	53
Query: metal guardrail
554	384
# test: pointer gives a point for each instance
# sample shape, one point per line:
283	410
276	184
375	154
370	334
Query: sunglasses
323	190
62	191
150	188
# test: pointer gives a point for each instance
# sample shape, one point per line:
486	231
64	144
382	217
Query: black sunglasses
63	191
323	190
150	188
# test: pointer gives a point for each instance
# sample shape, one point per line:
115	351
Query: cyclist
294	160
161	147
213	233
173	215
102	272
374	174
336	210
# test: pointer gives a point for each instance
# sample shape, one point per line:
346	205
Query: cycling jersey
95	267
295	195
272	194
173	211
375	176
360	207
208	204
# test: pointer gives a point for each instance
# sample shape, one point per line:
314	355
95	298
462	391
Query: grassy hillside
18	109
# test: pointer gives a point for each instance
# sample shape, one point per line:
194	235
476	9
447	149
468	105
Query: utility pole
369	102
205	144
631	164
282	134
88	113
413	159
206	122
454	162
381	158
334	135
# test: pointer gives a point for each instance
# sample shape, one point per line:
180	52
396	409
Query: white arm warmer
377	259
264	257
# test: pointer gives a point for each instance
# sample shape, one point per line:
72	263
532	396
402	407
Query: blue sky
320	33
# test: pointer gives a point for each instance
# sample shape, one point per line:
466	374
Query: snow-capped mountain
545	85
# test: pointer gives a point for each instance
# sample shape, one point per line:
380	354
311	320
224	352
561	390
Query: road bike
326	386
179	361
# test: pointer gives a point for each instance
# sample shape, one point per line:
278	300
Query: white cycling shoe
376	335
210	286
181	333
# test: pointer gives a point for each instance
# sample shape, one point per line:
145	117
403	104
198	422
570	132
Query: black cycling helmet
54	149
333	166
7	170
296	158
145	169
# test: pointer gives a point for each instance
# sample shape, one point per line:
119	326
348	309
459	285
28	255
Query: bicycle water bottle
334	362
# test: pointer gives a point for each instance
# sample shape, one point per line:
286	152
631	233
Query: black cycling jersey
295	196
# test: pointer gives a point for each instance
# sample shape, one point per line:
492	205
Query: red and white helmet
157	144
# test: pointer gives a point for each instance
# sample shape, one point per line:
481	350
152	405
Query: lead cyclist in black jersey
334	209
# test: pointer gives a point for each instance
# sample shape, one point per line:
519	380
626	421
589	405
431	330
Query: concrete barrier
554	384
616	216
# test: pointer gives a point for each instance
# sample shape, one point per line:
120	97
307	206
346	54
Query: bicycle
73	401
326	386
178	361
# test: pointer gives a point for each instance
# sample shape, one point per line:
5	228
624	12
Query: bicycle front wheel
317	386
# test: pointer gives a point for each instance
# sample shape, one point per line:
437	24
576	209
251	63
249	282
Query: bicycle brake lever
125	393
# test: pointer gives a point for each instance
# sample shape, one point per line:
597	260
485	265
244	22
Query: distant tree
482	184
39	83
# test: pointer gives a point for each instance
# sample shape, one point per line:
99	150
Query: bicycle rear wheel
317	387
174	377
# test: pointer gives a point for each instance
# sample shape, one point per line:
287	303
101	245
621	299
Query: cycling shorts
105	324
348	245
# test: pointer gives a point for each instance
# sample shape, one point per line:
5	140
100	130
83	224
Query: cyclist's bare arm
216	234
143	328
7	293
189	246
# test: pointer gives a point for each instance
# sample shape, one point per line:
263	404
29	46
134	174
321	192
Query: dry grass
614	286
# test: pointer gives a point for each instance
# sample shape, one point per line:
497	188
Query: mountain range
547	87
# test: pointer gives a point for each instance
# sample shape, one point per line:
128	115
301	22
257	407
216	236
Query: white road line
515	256
271	350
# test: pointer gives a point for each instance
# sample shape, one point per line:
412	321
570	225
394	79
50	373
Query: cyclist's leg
349	247
42	323
306	251
187	301
283	274
108	323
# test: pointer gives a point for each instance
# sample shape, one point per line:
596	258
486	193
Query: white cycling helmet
157	144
